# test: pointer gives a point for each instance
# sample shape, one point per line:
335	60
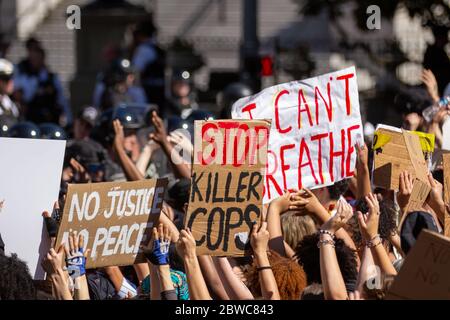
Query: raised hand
430	82
306	201
160	134
344	212
119	136
186	244
405	189
157	251
362	155
368	224
76	255
259	238
53	262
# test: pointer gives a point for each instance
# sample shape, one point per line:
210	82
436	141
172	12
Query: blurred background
213	43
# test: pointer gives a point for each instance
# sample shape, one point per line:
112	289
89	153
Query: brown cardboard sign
227	184
394	153
425	272
446	168
115	218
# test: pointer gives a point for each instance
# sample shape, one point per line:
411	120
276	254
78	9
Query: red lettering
301	99
319	137
334	154
227	125
248	108
304	149
328	106
284	166
209	139
259	144
351	149
243	128
277	116
346	77
269	175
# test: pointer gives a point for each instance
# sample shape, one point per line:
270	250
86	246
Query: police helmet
25	129
52	131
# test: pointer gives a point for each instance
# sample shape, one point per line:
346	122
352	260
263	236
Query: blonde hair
296	227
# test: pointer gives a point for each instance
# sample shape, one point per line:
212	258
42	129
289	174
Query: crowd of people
326	243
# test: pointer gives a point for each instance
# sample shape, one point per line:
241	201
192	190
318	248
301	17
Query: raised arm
234	287
276	208
157	253
368	224
196	283
259	241
332	280
362	171
131	171
179	165
53	266
212	277
76	265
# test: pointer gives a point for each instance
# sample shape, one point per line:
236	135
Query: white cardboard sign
30	174
315	125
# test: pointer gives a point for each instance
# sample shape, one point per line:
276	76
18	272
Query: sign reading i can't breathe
227	184
316	124
115	219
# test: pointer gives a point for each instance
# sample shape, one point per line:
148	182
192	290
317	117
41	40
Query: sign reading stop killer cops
227	184
115	218
316	123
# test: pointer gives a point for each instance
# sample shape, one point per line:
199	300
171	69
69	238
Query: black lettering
215	198
252	185
218	233
241	187
194	188
208	188
229	226
249	219
227	198
191	222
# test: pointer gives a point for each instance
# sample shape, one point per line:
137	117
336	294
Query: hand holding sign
435	198
405	189
312	204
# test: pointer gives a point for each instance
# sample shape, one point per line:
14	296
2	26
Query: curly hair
296	227
338	189
16	282
308	255
289	276
387	226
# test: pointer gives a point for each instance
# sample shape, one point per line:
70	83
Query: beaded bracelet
324	242
327	232
371	243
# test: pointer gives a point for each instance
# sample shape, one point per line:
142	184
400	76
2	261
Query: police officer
149	60
182	100
9	113
40	91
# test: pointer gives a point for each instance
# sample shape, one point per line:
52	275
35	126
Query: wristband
263	268
371	243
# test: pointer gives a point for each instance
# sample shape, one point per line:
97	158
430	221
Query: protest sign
316	124
424	274
396	151
227	184
115	218
30	173
446	169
